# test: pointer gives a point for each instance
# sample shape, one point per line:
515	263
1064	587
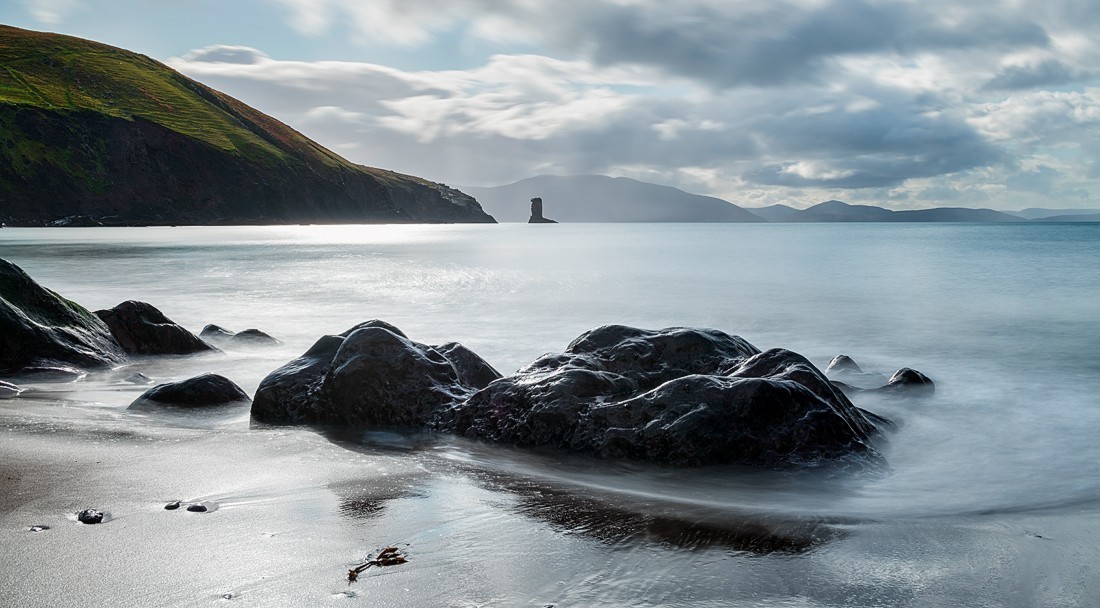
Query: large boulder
42	329
141	329
201	391
370	375
677	396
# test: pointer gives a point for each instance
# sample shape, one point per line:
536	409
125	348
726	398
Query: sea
991	495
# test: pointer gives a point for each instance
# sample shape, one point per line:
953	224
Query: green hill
110	136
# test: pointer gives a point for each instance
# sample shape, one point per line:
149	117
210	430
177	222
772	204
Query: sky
903	103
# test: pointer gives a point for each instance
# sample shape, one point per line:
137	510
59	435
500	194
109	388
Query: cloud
810	99
51	12
220	53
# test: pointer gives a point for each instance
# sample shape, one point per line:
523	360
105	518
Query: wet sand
291	510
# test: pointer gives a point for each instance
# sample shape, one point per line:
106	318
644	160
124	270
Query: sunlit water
1005	319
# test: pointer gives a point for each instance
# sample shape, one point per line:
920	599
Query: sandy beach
291	511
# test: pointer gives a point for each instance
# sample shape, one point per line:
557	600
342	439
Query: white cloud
854	99
51	12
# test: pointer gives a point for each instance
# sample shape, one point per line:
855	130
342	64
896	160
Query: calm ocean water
1005	318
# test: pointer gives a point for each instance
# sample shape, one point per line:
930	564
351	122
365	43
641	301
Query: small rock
39	528
137	378
842	363
89	516
196	508
910	382
201	391
172	506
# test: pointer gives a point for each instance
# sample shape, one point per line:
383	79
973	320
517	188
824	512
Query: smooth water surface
1005	318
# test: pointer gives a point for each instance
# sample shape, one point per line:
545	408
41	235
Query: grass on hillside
61	73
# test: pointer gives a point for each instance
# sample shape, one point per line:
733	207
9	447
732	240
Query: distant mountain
837	211
775	213
1036	213
598	198
90	133
1092	217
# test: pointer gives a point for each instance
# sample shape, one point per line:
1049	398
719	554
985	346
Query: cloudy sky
903	103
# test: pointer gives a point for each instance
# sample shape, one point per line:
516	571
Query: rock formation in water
536	213
141	329
153	146
847	376
42	330
370	375
679	396
219	336
206	390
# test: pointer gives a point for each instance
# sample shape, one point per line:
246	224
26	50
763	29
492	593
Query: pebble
172	506
89	516
196	508
39	528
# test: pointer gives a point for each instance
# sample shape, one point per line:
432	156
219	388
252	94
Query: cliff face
117	138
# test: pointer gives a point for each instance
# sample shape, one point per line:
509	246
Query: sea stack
536	213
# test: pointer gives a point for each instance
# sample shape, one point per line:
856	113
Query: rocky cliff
95	134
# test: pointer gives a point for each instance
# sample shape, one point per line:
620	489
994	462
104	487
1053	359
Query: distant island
95	135
599	198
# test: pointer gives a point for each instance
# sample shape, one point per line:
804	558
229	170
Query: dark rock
89	516
472	370
215	334
200	391
908	381
370	375
254	337
536	213
141	329
42	329
677	396
172	506
220	336
197	508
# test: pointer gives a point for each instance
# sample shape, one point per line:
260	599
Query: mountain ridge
109	136
600	198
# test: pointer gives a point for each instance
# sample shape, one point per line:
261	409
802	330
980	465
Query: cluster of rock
370	375
51	339
678	395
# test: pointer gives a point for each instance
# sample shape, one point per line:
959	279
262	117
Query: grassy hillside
67	103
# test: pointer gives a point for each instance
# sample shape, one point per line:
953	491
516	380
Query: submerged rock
910	382
220	336
201	391
678	396
9	390
52	374
842	363
141	329
42	329
370	375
